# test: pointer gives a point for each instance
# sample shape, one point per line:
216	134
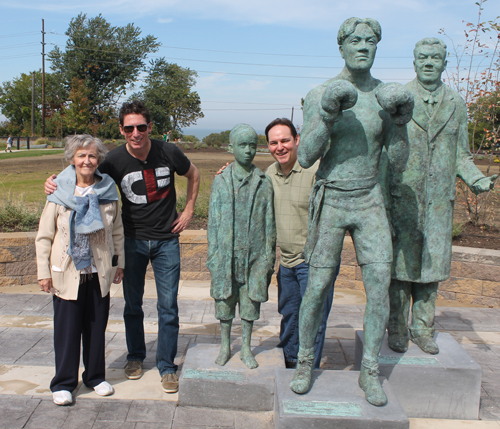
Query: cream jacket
52	242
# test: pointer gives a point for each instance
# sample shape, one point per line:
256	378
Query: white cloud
293	13
165	20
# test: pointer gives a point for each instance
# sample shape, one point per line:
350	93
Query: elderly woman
79	250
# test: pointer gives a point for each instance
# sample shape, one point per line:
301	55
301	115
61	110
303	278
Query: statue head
357	39
430	60
243	141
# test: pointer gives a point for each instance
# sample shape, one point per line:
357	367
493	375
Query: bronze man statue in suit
423	196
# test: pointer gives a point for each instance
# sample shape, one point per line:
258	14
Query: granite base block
334	401
233	386
442	386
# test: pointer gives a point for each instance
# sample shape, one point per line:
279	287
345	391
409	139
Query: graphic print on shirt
157	185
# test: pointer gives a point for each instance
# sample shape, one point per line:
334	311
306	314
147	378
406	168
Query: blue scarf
85	217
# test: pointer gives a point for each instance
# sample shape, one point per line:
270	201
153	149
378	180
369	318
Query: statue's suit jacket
423	196
261	247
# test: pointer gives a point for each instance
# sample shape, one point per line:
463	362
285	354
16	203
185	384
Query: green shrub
202	202
458	228
186	146
197	146
42	140
203	146
15	215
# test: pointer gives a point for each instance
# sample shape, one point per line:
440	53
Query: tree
107	59
167	91
217	139
78	114
476	77
15	100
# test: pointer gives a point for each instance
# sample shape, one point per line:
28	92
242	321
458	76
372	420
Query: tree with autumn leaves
476	77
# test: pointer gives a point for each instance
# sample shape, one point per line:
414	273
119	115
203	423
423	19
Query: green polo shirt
291	206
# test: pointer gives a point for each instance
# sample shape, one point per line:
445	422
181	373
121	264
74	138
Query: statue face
358	49
429	63
244	151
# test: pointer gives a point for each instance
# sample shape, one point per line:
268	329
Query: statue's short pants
225	309
362	212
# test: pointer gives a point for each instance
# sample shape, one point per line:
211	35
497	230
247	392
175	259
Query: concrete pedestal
442	386
233	386
334	401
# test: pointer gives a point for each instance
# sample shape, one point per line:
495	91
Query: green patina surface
407	360
214	375
323	408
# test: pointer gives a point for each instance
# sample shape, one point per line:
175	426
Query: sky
255	59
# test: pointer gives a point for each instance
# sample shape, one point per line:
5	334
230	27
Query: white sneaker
62	397
104	389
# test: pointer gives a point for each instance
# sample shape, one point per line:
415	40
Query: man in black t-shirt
144	170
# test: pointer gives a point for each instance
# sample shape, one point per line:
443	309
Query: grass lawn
30	153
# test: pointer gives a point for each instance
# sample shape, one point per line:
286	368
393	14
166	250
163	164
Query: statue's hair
281	121
429	41
242	131
349	26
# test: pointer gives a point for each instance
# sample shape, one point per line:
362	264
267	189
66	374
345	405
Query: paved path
27	362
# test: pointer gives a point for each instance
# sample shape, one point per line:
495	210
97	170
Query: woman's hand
118	276
45	285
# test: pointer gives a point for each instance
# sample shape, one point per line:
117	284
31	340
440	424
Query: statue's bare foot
370	383
301	381
224	355
247	358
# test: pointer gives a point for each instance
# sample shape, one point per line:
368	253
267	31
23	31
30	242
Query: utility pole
291	120
33	105
43	78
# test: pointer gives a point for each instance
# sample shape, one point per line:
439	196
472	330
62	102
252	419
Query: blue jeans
165	259
292	283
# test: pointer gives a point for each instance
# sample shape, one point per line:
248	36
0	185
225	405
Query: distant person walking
166	136
9	144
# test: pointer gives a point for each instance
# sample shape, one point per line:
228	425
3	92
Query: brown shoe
170	382
133	369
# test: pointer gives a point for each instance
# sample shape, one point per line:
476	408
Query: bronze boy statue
241	242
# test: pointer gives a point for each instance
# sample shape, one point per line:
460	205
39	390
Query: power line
239	102
12	57
20	46
19	34
246	110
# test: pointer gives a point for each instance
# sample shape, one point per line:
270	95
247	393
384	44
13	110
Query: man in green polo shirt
292	186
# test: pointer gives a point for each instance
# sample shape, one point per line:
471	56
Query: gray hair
429	41
349	26
79	141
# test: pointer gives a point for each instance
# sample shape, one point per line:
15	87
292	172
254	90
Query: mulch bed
481	236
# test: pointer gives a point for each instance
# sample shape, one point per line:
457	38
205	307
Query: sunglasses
130	128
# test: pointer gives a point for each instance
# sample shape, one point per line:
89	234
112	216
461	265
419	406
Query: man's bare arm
50	185
193	186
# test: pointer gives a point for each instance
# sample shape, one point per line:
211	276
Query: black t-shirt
147	188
